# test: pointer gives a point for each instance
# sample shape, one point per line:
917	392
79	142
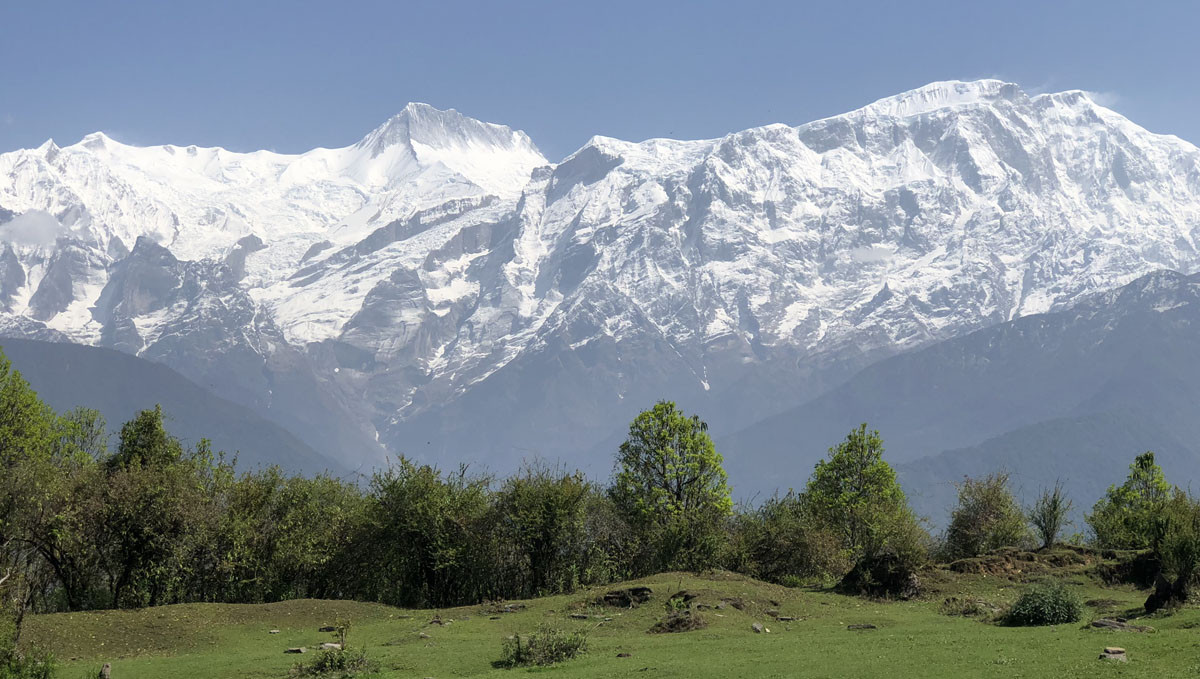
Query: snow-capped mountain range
443	289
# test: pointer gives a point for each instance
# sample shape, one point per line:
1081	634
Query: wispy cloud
1105	99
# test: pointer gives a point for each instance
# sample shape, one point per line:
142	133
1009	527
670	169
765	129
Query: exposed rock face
443	289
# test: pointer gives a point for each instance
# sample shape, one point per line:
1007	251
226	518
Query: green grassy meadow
912	638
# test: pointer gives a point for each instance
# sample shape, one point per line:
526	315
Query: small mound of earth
630	597
680	621
1131	568
683	595
1015	562
499	607
1120	625
735	601
968	607
883	576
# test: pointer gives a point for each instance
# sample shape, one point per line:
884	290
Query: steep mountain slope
1072	394
67	376
440	288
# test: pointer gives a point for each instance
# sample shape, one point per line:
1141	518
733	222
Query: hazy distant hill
119	385
1073	394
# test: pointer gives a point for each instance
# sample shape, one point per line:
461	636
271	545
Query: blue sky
293	75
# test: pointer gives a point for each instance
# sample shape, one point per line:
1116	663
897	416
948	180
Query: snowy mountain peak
97	141
944	94
442	258
496	158
424	124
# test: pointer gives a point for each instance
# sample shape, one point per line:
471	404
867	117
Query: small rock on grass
1114	653
274	631
299	649
862	626
757	627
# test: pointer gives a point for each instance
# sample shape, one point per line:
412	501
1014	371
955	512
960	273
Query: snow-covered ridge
414	266
941	95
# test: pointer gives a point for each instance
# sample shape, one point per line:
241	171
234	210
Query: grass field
911	638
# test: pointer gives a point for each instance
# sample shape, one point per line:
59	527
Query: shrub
784	543
341	662
1045	604
889	566
1049	515
547	646
338	662
987	517
33	665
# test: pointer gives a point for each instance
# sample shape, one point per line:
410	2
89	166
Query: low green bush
15	665
336	663
547	646
1048	603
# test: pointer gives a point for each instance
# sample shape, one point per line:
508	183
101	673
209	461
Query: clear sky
292	75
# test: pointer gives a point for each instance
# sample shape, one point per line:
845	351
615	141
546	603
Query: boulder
757	627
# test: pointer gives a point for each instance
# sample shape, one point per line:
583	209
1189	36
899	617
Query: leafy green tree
26	465
150	497
1127	517
987	517
427	539
672	488
855	492
542	515
144	441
